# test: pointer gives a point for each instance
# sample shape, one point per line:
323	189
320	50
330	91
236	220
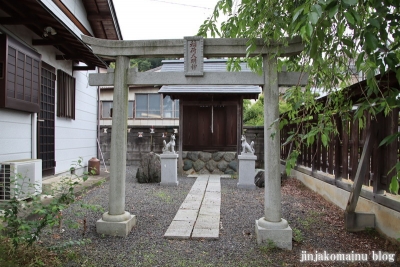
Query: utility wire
173	3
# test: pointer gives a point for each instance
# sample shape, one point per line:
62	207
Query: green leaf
349	17
371	41
341	29
324	140
374	22
309	30
297	13
394	185
333	11
313	17
389	139
350	2
348	42
318	9
314	47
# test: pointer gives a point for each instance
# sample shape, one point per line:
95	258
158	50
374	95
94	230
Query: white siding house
47	109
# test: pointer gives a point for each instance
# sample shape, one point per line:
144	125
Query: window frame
175	108
20	79
131	102
66	95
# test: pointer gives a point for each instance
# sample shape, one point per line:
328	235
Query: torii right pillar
272	227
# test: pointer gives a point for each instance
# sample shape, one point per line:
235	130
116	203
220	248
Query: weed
268	247
297	235
25	255
166	198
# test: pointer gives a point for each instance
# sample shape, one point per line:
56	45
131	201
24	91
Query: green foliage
25	220
70	243
25	255
268	247
253	115
143	64
297	235
340	37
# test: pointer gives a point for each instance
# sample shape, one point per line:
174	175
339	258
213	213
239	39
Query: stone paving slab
186	215
179	230
207	222
211	234
213	195
199	215
190	205
213	187
209	210
211	202
214	178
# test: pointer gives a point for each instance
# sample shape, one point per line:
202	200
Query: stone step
199	215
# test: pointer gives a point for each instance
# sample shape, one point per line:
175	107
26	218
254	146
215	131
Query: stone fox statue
246	146
170	146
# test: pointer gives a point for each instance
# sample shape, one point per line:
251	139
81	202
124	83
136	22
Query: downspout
98	119
34	135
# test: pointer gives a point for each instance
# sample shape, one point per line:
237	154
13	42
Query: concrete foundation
279	233
355	221
116	228
384	217
169	171
247	171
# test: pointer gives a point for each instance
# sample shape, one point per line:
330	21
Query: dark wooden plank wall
344	150
197	127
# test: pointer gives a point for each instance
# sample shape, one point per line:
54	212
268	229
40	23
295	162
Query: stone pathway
199	215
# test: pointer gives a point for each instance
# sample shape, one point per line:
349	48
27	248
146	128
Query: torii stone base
169	171
279	233
116	228
247	171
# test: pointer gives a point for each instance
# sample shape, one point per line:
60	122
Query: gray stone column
272	226
117	221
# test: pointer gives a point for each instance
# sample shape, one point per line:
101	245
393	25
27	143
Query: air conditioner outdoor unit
23	175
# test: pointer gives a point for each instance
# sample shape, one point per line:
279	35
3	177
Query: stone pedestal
247	170
116	225
279	233
169	171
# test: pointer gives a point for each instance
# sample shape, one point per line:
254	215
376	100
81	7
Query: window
148	106
170	108
19	76
107	106
65	95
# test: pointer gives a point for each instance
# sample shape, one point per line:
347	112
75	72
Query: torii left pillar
116	221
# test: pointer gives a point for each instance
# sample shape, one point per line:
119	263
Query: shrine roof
210	65
207	89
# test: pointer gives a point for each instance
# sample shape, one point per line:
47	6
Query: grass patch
163	196
297	235
25	255
268	247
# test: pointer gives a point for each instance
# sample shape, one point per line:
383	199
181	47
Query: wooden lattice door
46	119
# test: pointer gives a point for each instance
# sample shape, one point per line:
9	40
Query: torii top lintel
213	47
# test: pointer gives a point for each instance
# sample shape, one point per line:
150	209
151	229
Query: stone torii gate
119	222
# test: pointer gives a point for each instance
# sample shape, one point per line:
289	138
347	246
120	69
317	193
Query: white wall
73	7
15	135
77	138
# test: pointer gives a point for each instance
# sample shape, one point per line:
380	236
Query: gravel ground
317	226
